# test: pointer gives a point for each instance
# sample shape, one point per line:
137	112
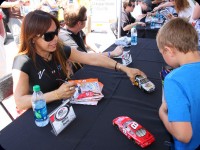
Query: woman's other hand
66	90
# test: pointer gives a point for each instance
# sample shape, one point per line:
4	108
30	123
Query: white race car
144	84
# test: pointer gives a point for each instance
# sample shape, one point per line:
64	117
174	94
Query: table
147	32
92	129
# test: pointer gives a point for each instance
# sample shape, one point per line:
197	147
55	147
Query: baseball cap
149	4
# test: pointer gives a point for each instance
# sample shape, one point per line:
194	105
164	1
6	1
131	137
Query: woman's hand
66	90
117	51
133	72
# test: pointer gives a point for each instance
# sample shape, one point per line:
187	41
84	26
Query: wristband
116	66
109	54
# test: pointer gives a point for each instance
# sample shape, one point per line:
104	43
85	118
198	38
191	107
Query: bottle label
133	40
40	114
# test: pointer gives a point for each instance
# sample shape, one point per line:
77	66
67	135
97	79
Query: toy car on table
144	84
134	131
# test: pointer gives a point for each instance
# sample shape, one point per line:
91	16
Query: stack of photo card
88	92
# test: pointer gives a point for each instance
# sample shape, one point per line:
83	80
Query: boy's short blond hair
178	34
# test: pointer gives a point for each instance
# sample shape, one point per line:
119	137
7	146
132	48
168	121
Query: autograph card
61	117
165	13
88	92
126	58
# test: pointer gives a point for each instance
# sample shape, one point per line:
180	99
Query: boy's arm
182	131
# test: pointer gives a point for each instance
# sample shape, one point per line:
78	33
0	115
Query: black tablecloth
147	32
92	129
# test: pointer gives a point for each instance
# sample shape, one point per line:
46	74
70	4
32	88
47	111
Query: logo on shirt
40	73
59	67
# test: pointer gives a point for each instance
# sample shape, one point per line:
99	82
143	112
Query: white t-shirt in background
187	12
137	11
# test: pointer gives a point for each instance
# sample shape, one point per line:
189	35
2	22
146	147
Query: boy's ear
169	50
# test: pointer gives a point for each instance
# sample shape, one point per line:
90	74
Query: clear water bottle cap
36	88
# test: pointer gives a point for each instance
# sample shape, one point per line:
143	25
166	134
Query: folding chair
6	90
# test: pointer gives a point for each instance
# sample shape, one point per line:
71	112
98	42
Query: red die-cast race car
134	131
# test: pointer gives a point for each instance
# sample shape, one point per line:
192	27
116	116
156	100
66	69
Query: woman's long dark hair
35	24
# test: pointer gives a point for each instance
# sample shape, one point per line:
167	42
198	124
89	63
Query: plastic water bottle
39	107
133	36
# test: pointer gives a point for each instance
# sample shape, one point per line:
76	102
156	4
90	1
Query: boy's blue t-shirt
182	94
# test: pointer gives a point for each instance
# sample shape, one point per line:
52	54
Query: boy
177	41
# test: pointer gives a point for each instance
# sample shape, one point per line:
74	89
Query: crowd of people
187	9
49	51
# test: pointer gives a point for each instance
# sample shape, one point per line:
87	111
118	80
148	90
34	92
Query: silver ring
71	88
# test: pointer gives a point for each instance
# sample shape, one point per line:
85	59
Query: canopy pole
119	7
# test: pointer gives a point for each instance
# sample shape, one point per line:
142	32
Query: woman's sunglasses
49	36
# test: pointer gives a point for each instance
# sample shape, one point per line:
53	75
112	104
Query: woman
44	60
183	8
127	21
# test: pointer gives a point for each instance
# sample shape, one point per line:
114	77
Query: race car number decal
134	125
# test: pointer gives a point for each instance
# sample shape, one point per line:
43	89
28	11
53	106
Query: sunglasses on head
84	19
49	36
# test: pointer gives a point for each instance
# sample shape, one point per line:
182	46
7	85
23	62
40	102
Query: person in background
196	12
157	2
44	60
72	35
141	9
180	111
195	19
49	6
164	5
127	21
2	49
15	18
184	8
